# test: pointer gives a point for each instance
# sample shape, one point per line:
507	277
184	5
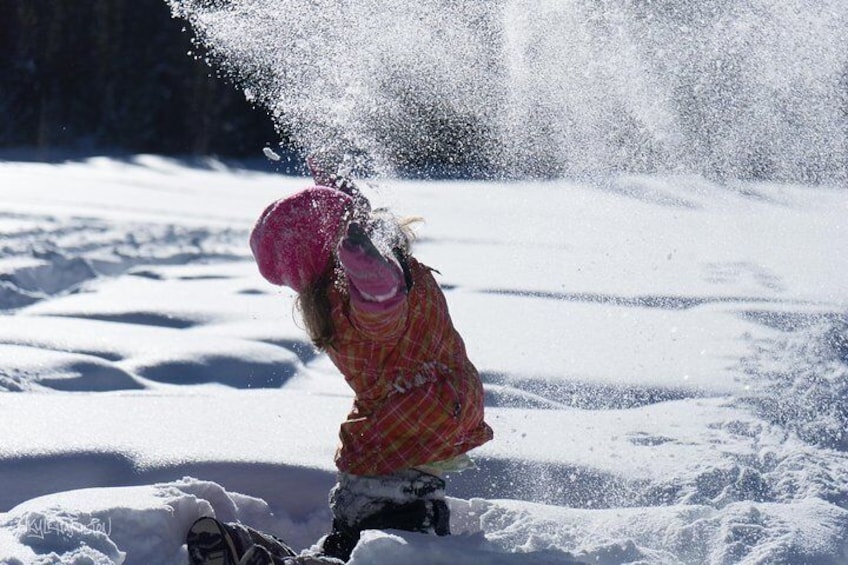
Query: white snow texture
664	359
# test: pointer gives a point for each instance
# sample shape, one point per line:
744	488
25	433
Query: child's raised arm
376	282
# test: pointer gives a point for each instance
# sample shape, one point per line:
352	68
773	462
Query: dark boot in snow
260	556
425	516
211	542
257	555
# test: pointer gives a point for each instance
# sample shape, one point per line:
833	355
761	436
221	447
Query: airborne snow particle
270	154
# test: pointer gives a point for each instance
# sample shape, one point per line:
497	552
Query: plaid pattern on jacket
418	397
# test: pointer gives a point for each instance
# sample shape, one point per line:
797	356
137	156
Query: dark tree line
114	75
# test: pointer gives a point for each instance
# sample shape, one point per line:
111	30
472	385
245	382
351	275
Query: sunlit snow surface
665	358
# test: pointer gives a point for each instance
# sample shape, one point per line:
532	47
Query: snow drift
664	360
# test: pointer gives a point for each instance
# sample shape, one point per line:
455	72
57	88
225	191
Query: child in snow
382	319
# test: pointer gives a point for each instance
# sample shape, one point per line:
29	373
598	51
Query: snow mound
120	355
147	524
35	369
740	533
129	525
800	379
62	254
419	549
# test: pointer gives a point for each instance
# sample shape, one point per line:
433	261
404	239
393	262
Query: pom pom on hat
294	238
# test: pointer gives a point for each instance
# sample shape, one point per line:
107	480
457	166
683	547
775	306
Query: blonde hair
313	302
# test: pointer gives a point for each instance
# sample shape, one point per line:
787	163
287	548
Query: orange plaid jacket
419	399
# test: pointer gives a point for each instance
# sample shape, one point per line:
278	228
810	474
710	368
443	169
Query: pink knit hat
295	237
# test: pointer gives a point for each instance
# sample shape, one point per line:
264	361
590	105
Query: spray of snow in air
751	89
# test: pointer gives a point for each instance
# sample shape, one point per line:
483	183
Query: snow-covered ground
665	358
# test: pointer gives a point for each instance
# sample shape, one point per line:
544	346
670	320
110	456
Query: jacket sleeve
377	291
